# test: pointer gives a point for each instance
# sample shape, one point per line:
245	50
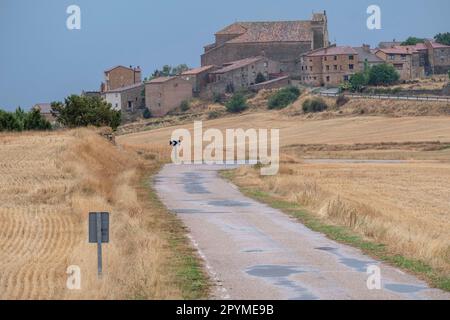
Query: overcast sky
42	61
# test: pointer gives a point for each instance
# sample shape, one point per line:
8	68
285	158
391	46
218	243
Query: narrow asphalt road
252	251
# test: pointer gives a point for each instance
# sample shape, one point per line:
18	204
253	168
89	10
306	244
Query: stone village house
120	76
126	99
166	93
329	66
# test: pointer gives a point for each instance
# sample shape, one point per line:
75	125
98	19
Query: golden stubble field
295	130
49	183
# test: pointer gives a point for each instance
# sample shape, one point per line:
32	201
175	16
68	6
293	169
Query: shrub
260	78
147	114
81	111
217	98
314	105
237	103
213	115
283	98
184	106
341	100
8	122
411	41
358	81
383	74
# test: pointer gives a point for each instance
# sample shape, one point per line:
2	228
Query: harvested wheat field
49	183
295	130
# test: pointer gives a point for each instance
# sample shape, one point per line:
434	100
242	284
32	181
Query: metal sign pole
176	153
99	244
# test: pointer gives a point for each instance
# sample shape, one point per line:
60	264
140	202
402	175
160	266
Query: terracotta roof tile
197	70
160	79
276	31
237	64
121	89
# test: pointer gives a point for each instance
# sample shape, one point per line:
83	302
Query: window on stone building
328	78
351	66
325	58
350	57
345	78
335	57
335	67
328	68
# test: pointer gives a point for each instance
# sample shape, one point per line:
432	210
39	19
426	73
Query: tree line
75	111
21	120
442	38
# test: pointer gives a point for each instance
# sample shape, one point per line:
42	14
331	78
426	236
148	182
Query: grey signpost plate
99	233
93	227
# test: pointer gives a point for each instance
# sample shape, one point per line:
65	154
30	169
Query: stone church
281	41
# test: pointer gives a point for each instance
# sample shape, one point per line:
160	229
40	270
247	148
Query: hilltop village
265	55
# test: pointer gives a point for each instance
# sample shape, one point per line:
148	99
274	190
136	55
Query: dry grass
296	130
370	107
49	184
402	205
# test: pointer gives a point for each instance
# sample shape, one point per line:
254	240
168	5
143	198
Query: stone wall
272	84
287	54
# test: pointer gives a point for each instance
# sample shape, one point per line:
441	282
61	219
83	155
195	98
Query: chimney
366	48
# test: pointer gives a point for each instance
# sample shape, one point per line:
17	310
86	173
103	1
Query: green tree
260	78
383	74
412	41
147	114
168	71
358	81
8	121
179	69
20	116
443	38
237	103
35	121
81	111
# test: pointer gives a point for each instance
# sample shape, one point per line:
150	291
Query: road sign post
175	144
99	233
